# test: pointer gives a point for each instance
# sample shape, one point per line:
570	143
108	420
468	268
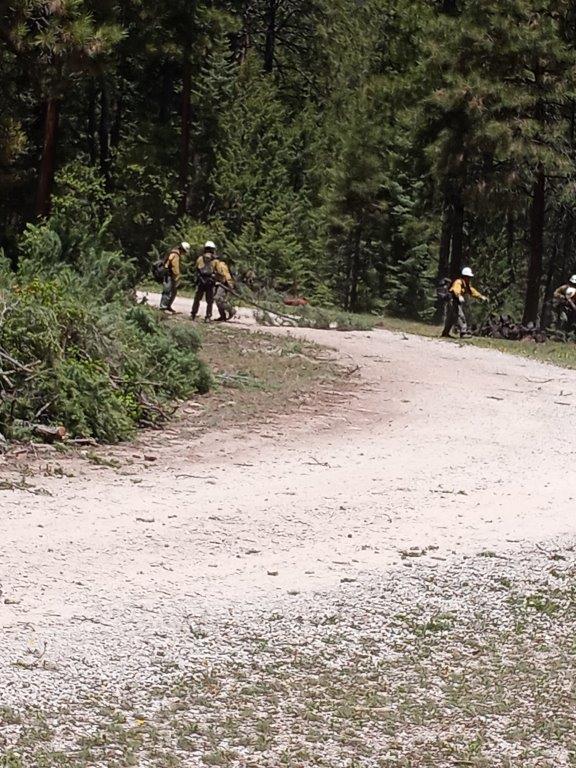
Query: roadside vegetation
76	353
562	354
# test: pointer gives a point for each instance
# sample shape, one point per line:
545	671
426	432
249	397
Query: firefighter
565	304
173	272
224	284
461	291
205	281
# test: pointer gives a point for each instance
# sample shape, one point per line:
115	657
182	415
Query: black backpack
443	290
159	270
206	274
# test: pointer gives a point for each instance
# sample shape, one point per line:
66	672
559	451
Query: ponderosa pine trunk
547	314
185	126
355	269
244	41
457	235
537	223
270	49
48	162
443	270
104	132
445	240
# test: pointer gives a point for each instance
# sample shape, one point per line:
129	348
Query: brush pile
505	327
95	371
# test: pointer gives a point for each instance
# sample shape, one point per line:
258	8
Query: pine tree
255	154
354	196
500	116
55	43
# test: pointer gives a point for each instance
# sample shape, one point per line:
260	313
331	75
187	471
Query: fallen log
50	434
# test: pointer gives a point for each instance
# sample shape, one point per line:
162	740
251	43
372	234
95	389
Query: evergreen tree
255	156
500	117
54	43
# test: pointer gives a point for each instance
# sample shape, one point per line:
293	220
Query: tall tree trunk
547	315
445	240
185	126
457	234
270	48
48	162
166	91
449	6
443	270
92	122
355	268
537	222
244	43
104	132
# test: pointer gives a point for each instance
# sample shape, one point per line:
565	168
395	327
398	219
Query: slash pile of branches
505	327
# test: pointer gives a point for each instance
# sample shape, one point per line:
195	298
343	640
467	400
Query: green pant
223	303
170	289
455	316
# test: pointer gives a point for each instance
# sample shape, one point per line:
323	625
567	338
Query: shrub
99	371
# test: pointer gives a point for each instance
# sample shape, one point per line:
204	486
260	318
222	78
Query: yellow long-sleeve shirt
565	292
460	288
218	267
174	265
201	262
223	273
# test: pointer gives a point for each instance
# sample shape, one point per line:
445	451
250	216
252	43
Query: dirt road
443	446
445	450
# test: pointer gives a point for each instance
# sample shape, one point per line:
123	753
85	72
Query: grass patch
258	376
558	353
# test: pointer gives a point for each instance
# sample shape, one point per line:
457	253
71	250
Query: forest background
361	149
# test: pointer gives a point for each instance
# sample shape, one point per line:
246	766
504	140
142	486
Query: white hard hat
209	245
185	246
573	279
467	272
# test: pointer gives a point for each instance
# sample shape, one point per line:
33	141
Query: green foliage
255	157
277	252
146	199
358	151
408	275
79	205
98	372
